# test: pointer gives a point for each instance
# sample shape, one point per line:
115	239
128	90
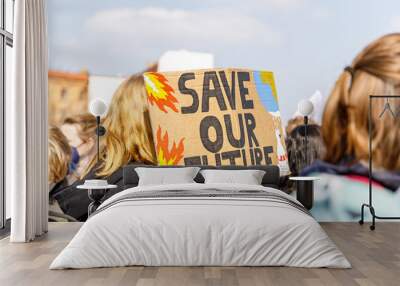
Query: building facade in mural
68	95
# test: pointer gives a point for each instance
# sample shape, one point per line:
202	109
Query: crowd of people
338	148
73	154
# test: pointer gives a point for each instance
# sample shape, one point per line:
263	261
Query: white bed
185	230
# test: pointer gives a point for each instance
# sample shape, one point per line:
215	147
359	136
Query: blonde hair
128	131
59	155
87	125
375	71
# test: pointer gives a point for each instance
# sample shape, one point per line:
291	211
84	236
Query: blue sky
305	42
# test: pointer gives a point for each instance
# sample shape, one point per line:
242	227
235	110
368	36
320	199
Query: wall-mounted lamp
98	108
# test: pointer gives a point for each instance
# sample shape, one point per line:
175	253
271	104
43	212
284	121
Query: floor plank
375	257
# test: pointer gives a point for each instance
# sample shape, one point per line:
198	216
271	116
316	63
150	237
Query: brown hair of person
295	122
128	131
375	71
59	155
87	125
295	145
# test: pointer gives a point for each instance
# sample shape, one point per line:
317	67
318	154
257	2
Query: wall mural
177	114
216	117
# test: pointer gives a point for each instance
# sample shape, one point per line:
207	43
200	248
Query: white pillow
166	176
248	177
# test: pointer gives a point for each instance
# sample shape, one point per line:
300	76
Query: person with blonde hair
128	139
59	153
128	135
80	131
59	156
345	133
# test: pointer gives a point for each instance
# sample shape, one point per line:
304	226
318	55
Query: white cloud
257	5
284	4
395	23
134	33
160	25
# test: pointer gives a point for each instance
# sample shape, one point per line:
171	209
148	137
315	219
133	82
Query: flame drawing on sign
166	156
159	91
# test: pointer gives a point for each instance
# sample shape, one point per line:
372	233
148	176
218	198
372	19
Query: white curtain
26	123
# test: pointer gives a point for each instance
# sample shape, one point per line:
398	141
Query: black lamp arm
306	139
100	131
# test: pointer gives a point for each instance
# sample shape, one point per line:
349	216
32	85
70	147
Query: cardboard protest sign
216	117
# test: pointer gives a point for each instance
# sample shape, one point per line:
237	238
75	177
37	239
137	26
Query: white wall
103	87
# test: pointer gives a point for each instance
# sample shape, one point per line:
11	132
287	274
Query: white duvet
200	231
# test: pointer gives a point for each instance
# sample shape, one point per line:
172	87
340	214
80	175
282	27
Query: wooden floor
375	257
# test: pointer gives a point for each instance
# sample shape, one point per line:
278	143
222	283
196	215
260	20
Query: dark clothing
75	202
57	187
390	180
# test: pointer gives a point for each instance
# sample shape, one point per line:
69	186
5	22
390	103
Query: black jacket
75	202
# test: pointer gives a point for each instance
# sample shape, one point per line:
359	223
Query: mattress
201	225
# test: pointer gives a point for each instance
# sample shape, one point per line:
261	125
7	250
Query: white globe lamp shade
97	107
305	107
